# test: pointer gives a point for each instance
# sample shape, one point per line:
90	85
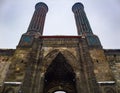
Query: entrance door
59	77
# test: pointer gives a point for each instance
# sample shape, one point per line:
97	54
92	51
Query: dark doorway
59	76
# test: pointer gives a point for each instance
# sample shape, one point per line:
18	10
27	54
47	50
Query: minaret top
77	6
41	5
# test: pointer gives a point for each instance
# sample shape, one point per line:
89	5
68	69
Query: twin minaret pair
38	19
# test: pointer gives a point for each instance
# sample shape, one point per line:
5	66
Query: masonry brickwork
46	64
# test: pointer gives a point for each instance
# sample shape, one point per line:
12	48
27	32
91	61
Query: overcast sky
103	15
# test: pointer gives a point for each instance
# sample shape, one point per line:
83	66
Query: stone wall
5	55
7	52
101	66
113	57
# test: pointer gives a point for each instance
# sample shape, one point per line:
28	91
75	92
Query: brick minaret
82	22
36	26
83	26
38	19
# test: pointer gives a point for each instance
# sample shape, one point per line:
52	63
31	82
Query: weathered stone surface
113	57
46	64
5	55
101	66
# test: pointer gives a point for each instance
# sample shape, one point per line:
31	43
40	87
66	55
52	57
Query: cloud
103	16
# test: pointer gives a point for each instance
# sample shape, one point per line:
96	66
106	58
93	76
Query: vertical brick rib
82	22
38	19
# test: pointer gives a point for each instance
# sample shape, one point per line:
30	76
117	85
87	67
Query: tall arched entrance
59	76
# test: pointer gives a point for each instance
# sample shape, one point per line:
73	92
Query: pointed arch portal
59	76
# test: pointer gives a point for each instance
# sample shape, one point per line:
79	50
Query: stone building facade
47	64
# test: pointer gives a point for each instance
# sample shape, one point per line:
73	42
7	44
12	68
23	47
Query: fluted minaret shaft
83	26
38	19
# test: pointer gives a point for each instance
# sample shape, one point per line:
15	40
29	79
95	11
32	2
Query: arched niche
73	63
70	59
59	76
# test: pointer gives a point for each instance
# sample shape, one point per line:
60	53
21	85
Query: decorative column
83	26
38	19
